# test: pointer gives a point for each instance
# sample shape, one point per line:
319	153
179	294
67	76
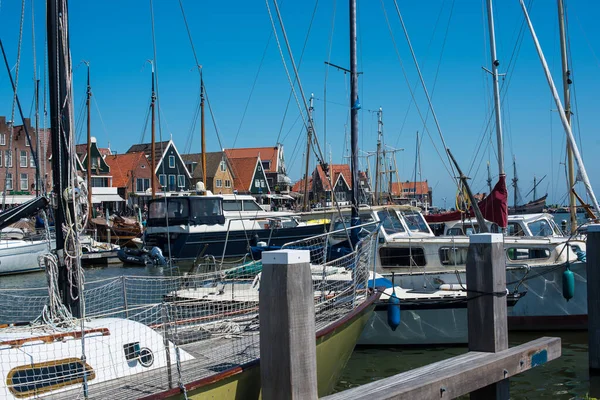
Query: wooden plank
593	295
486	308
288	364
458	375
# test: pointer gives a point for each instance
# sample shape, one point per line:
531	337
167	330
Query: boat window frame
411	264
422	228
89	375
548	253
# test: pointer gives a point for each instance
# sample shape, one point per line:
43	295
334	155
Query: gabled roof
421	188
335	170
213	160
243	169
81	150
265	154
299	186
146	148
122	165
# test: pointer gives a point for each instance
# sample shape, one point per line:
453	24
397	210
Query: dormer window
266	164
223	166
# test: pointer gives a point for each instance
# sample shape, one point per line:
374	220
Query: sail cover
494	207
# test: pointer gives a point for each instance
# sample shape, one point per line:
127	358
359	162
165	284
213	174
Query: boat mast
377	157
37	138
534	188
59	65
153	145
202	134
495	64
567	99
89	142
354	107
561	113
489	178
309	133
514	182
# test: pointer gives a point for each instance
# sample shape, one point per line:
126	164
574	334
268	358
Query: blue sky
230	38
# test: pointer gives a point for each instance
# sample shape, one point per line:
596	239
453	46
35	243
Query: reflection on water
565	378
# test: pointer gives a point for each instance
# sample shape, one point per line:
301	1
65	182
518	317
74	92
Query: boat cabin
541	224
184	210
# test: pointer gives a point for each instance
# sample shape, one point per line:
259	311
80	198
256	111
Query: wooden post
486	310
593	294
288	355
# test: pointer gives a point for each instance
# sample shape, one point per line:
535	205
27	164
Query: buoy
393	311
568	281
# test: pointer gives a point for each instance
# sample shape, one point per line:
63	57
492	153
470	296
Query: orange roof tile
299	186
243	170
265	154
335	170
121	166
421	188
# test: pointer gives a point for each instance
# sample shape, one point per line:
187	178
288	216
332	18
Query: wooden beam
288	355
486	308
593	295
458	375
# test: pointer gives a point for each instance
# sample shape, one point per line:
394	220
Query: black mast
354	107
59	69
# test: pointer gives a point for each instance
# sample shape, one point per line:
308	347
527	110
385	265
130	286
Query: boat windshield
415	222
542	227
232	205
339	224
390	222
182	210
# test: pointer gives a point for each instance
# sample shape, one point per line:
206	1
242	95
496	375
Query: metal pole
37	138
202	132
153	145
354	107
89	143
309	133
377	172
567	99
495	64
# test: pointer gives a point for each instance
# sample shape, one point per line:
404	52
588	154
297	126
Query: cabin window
9	181
453	255
31	161
2	139
518	254
223	166
402	256
514	229
206	207
181	181
227	182
415	222
34	379
232	205
174	208
9	158
162	179
219	183
455	232
142	184
171	161
540	227
250	205
390	222
24	184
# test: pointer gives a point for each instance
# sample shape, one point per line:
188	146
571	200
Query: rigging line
587	40
190	137
439	16
147	118
292	127
312	18
412	52
214	120
318	152
327	72
262	59
94	99
412	92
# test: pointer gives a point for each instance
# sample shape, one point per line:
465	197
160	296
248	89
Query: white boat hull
21	256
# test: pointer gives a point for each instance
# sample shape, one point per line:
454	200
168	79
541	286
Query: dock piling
593	295
486	309
288	357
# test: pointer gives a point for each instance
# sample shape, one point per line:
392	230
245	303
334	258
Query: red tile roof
299	186
335	170
243	170
265	154
421	188
122	165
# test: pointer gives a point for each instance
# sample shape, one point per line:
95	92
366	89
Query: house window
257	183
31	160
266	165
26	142
162	179
227	183
171	161
2	139
223	166
181	181
24	182
23	160
0	158
99	181
9	181
9	158
171	182
142	184
219	183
